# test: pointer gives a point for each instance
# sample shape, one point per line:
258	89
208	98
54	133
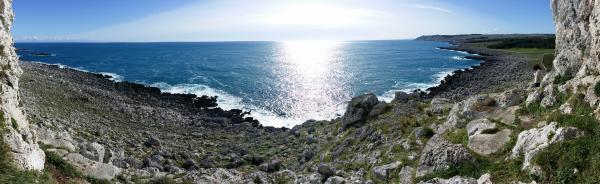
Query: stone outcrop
440	154
358	109
532	141
22	141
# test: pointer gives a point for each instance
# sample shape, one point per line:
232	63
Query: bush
597	88
560	79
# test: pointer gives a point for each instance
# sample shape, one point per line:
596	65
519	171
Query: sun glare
316	15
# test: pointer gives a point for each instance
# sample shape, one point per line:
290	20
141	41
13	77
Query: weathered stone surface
485	138
22	141
440	105
549	99
532	141
358	109
55	139
533	97
440	154
383	172
335	180
509	98
93	151
92	168
406	175
485	179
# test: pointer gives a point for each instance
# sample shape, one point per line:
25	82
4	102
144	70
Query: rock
453	180
314	178
307	155
485	179
325	170
401	97
549	99
378	109
479	125
358	110
532	141
335	180
440	105
310	139
148	162
272	166
406	175
421	132
61	140
152	141
533	97
190	164
206	163
509	98
93	151
20	139
383	172
486	144
92	168
440	154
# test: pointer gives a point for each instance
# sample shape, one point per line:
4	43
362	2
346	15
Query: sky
271	20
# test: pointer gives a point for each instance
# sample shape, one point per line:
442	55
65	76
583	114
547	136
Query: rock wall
15	128
577	37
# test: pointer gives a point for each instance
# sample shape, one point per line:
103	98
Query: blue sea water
281	83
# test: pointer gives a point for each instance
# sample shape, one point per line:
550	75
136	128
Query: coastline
498	71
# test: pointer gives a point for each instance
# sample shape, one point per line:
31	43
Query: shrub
597	88
562	79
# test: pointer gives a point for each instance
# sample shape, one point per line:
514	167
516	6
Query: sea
282	84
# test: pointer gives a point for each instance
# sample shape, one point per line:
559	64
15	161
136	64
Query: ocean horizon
282	84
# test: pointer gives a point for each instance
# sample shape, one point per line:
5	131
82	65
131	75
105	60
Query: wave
389	95
227	101
460	58
113	76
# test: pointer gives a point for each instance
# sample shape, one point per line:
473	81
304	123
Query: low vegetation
528	42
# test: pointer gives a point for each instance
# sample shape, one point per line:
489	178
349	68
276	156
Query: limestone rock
335	180
22	141
485	138
509	98
61	139
440	154
440	105
533	97
532	141
383	172
549	99
406	175
358	109
92	168
485	179
93	151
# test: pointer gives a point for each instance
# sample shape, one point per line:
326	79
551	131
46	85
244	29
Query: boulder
406	175
383	172
190	164
272	166
533	97
325	170
152	141
532	141
92	168
93	151
62	140
401	97
485	179
488	143
479	125
509	98
440	154
378	109
549	99
440	105
358	109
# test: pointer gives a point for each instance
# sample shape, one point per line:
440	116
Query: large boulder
358	109
406	175
93	151
440	105
485	138
383	172
509	98
532	141
439	154
60	140
453	180
92	168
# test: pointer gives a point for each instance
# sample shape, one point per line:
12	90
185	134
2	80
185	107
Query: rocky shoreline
497	72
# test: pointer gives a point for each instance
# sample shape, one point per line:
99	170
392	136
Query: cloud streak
434	8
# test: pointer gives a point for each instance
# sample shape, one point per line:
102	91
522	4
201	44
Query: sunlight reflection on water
310	78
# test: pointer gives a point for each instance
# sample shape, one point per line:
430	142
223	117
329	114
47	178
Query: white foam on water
388	96
113	76
227	101
460	58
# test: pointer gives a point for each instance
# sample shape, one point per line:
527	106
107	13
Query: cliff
16	134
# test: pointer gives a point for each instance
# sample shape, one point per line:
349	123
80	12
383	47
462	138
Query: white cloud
434	8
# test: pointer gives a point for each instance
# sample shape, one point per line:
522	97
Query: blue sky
242	20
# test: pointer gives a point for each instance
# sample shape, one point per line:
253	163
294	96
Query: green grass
597	88
459	136
60	164
10	174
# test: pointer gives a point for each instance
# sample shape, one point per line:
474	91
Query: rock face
440	154
485	138
577	36
26	153
358	109
532	141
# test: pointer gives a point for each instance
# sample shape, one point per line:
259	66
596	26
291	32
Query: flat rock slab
92	168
